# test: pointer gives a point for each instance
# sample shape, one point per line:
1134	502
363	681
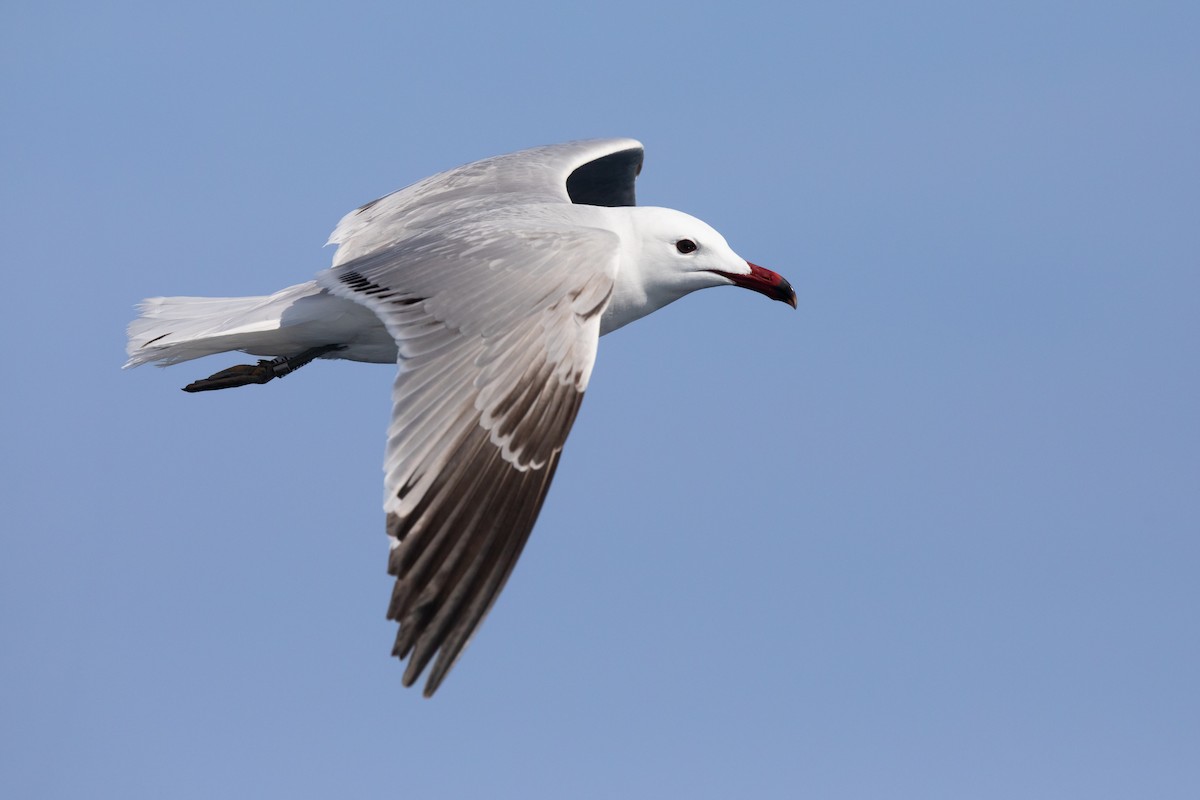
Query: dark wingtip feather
443	595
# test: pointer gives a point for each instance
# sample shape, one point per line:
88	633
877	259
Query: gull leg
265	370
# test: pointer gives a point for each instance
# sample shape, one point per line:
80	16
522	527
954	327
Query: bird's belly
312	317
373	351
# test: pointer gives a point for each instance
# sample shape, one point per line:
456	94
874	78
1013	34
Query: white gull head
666	254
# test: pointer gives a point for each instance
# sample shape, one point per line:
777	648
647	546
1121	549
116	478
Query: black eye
686	246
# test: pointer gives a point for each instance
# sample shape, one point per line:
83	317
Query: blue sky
935	535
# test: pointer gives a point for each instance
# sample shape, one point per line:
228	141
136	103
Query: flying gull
490	286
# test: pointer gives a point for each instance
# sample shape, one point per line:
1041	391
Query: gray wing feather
497	327
594	172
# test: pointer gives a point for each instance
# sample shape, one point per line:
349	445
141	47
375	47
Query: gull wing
599	172
496	324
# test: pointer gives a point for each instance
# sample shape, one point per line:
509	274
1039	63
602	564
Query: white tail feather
174	329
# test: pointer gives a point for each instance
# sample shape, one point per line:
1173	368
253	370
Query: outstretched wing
496	326
598	172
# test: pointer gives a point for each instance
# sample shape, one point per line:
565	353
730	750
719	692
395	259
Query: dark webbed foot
241	375
265	370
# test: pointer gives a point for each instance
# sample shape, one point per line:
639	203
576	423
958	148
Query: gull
489	285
